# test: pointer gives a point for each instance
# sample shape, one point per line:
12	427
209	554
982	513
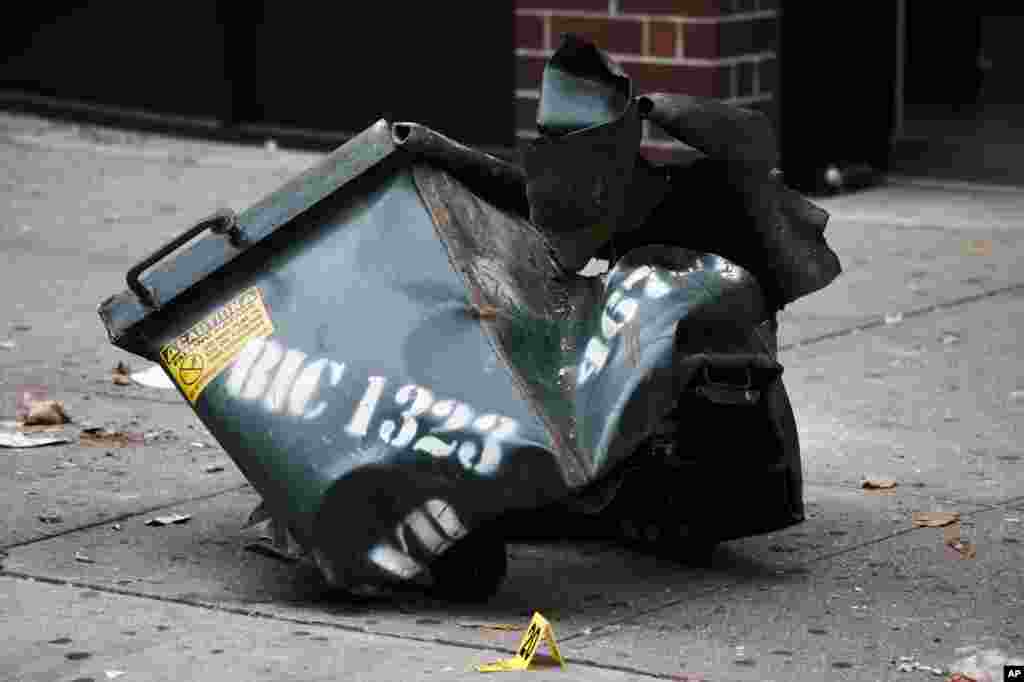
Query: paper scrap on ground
539	629
934	519
13	439
168	519
878	484
153	377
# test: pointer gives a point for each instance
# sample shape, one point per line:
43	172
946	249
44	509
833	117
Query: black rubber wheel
473	569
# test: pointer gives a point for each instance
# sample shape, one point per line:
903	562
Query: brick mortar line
631	16
918	312
315	622
626	59
123	517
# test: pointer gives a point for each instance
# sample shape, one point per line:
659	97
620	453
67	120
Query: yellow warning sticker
196	357
538	630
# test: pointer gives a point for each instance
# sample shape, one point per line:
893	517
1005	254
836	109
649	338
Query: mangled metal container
396	349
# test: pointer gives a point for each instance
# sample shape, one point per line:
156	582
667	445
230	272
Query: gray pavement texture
908	367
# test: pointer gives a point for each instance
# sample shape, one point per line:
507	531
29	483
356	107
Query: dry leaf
485	311
878	484
979	247
934	519
121	374
102	438
46	412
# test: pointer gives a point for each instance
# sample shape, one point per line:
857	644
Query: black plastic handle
224	222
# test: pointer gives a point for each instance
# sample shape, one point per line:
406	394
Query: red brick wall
715	48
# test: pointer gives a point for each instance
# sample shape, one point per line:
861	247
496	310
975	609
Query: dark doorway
313	73
962	106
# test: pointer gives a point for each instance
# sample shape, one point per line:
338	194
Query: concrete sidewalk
908	367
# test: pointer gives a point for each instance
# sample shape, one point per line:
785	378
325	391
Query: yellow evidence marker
538	629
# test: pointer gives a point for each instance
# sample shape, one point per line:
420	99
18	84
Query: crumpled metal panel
589	187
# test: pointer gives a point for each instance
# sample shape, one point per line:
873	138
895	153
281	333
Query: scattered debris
878	484
950	338
197	445
893	318
46	413
7	344
153	377
159	435
51	517
908	664
961	549
934	519
978	247
981	665
114	674
84	558
121	374
169	520
103	438
116	526
13	439
213	468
